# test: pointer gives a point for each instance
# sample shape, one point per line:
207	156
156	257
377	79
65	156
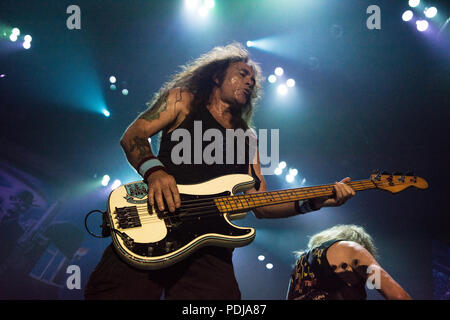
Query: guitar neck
244	203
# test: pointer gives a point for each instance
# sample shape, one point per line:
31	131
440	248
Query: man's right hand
161	183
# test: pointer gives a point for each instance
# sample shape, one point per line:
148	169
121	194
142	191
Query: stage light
191	3
282	89
430	12
278	171
290	83
209	4
116	184
2	75
293	172
203	11
303	181
413	3
125	92
290	178
269	266
407	15
272	78
282	165
28	38
112	79
113	87
13	37
261	258
15	31
422	25
250	44
105	180
279	71
106	113
26	45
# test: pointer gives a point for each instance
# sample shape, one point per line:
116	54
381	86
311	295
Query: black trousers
207	274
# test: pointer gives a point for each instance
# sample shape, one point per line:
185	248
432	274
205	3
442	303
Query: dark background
364	100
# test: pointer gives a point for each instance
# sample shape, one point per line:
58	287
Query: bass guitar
151	239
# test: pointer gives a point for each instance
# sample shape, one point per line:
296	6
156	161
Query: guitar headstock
397	181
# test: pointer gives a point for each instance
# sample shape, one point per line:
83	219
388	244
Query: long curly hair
347	232
197	78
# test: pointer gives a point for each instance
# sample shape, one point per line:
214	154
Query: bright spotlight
125	92
26	45
16	31
203	11
272	78
293	172
278	171
191	3
2	75
28	38
209	4
116	184
106	113
13	37
407	15
290	178
279	71
422	25
430	12
113	87
105	180
290	83
282	165
250	44
112	79
269	266
261	258
413	3
303	181
282	89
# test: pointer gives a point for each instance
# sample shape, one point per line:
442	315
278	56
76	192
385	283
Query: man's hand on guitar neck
341	193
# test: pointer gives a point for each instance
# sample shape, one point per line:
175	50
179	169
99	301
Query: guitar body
148	239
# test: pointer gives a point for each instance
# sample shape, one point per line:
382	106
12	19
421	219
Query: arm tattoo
153	112
141	145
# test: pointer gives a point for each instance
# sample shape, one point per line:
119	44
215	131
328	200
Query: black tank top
314	279
194	172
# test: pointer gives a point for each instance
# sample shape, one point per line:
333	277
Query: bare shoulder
179	100
348	251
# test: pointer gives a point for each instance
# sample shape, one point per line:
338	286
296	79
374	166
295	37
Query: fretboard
243	203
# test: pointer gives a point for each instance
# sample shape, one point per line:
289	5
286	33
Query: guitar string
310	191
261	196
211	204
152	218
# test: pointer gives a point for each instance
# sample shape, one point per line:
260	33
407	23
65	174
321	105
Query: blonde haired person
337	265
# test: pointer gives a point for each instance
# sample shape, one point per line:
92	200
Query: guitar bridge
128	217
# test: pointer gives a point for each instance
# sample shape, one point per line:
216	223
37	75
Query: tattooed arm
166	114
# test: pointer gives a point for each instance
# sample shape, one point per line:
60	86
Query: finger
169	199
151	197
349	191
159	199
176	195
345	180
339	195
